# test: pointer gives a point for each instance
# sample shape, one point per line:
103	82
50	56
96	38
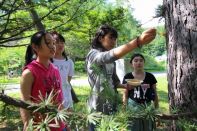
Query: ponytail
29	55
64	55
36	40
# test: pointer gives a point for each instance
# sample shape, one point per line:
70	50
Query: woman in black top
144	93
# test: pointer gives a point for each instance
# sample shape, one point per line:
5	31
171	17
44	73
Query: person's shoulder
128	74
149	74
70	60
27	73
92	51
91	54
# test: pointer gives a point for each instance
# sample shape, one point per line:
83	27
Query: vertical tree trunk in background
181	27
34	16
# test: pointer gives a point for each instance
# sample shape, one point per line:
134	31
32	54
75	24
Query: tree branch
14	45
74	16
177	116
19	103
12	39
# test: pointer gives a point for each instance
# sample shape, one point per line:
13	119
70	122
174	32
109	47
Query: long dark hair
36	40
60	38
102	31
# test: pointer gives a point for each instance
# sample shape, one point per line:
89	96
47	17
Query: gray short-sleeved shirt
101	69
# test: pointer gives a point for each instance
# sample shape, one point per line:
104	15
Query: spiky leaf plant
116	122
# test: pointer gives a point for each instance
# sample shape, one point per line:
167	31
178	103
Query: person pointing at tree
101	68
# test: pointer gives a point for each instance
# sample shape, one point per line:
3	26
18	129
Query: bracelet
138	43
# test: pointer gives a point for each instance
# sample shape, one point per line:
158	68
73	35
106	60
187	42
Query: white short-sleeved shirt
66	68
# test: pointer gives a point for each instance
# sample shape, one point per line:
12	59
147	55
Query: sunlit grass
5	79
162	90
82	93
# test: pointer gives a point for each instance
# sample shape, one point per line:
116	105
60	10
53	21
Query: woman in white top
66	69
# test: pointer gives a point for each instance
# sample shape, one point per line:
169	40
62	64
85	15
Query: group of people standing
48	70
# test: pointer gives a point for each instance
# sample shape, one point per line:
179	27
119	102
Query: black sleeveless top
138	94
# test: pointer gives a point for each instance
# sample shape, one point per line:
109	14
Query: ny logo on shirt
137	92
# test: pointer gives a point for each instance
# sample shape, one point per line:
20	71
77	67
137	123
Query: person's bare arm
26	86
156	101
69	78
145	38
125	97
124	86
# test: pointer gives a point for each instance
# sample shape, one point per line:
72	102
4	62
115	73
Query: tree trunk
181	26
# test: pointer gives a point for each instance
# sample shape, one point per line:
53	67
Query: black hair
60	38
102	31
36	40
136	55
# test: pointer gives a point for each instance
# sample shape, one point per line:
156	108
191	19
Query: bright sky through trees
144	10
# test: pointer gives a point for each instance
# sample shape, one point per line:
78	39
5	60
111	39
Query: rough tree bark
181	26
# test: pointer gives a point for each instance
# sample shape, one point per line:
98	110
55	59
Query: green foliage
187	124
111	123
158	46
11	59
78	119
152	64
10	115
77	20
80	66
49	113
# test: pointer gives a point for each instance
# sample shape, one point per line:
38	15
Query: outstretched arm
145	38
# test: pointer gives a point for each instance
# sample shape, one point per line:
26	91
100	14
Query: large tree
181	27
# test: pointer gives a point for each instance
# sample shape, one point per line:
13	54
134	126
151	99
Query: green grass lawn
162	90
5	79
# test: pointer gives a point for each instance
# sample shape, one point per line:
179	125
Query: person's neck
138	71
43	61
139	74
58	56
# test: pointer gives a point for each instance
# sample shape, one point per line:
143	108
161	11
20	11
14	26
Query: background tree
180	19
158	47
17	24
77	20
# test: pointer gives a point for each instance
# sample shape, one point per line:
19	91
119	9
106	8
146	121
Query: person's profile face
108	41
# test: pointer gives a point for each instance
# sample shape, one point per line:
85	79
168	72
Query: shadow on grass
10	118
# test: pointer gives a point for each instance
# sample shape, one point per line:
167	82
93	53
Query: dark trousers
91	127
